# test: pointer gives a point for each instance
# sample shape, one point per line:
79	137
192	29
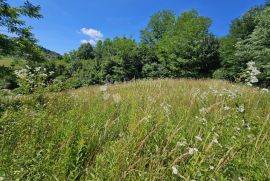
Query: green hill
145	130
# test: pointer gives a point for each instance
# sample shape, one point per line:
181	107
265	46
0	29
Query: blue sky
61	29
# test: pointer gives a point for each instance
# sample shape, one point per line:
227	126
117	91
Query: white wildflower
241	108
174	170
166	107
37	69
252	72
104	88
264	90
203	110
211	167
51	73
226	108
191	151
117	98
182	143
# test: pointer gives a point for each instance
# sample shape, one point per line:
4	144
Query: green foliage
85	51
11	18
160	23
190	50
8	78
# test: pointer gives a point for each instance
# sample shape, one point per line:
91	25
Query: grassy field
145	130
5	61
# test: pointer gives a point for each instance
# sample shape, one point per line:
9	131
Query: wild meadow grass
143	130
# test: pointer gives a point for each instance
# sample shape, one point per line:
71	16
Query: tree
159	24
11	20
120	61
256	48
85	51
190	50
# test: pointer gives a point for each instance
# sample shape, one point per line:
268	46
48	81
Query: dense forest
171	46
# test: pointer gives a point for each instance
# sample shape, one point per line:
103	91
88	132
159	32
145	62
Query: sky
68	23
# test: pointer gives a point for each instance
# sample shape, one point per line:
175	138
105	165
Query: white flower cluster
33	77
252	73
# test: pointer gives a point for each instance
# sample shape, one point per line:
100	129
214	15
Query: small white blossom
104	88
226	108
203	110
174	170
191	151
211	167
264	90
241	109
182	143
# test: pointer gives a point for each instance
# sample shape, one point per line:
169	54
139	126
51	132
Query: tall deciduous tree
85	51
11	21
190	50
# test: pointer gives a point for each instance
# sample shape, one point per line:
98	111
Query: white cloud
94	35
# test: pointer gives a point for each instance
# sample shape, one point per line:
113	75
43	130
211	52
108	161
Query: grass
145	130
6	61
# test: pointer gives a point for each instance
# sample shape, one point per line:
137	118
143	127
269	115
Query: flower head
174	170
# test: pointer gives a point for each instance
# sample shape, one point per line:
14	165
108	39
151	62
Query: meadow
141	130
5	61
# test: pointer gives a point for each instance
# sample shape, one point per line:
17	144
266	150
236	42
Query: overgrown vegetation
145	130
154	129
171	47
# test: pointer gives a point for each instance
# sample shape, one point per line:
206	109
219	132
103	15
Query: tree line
170	46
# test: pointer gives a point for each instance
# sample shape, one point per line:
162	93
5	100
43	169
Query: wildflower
43	75
198	138
166	107
182	143
174	170
191	151
37	69
252	72
104	88
203	110
51	73
264	90
241	109
226	108
211	167
116	98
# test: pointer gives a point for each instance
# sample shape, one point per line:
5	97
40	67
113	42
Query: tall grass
145	130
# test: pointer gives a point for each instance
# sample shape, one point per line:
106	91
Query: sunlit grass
144	130
5	61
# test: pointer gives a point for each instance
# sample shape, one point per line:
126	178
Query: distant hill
50	54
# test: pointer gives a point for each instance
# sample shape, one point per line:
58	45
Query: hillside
145	130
